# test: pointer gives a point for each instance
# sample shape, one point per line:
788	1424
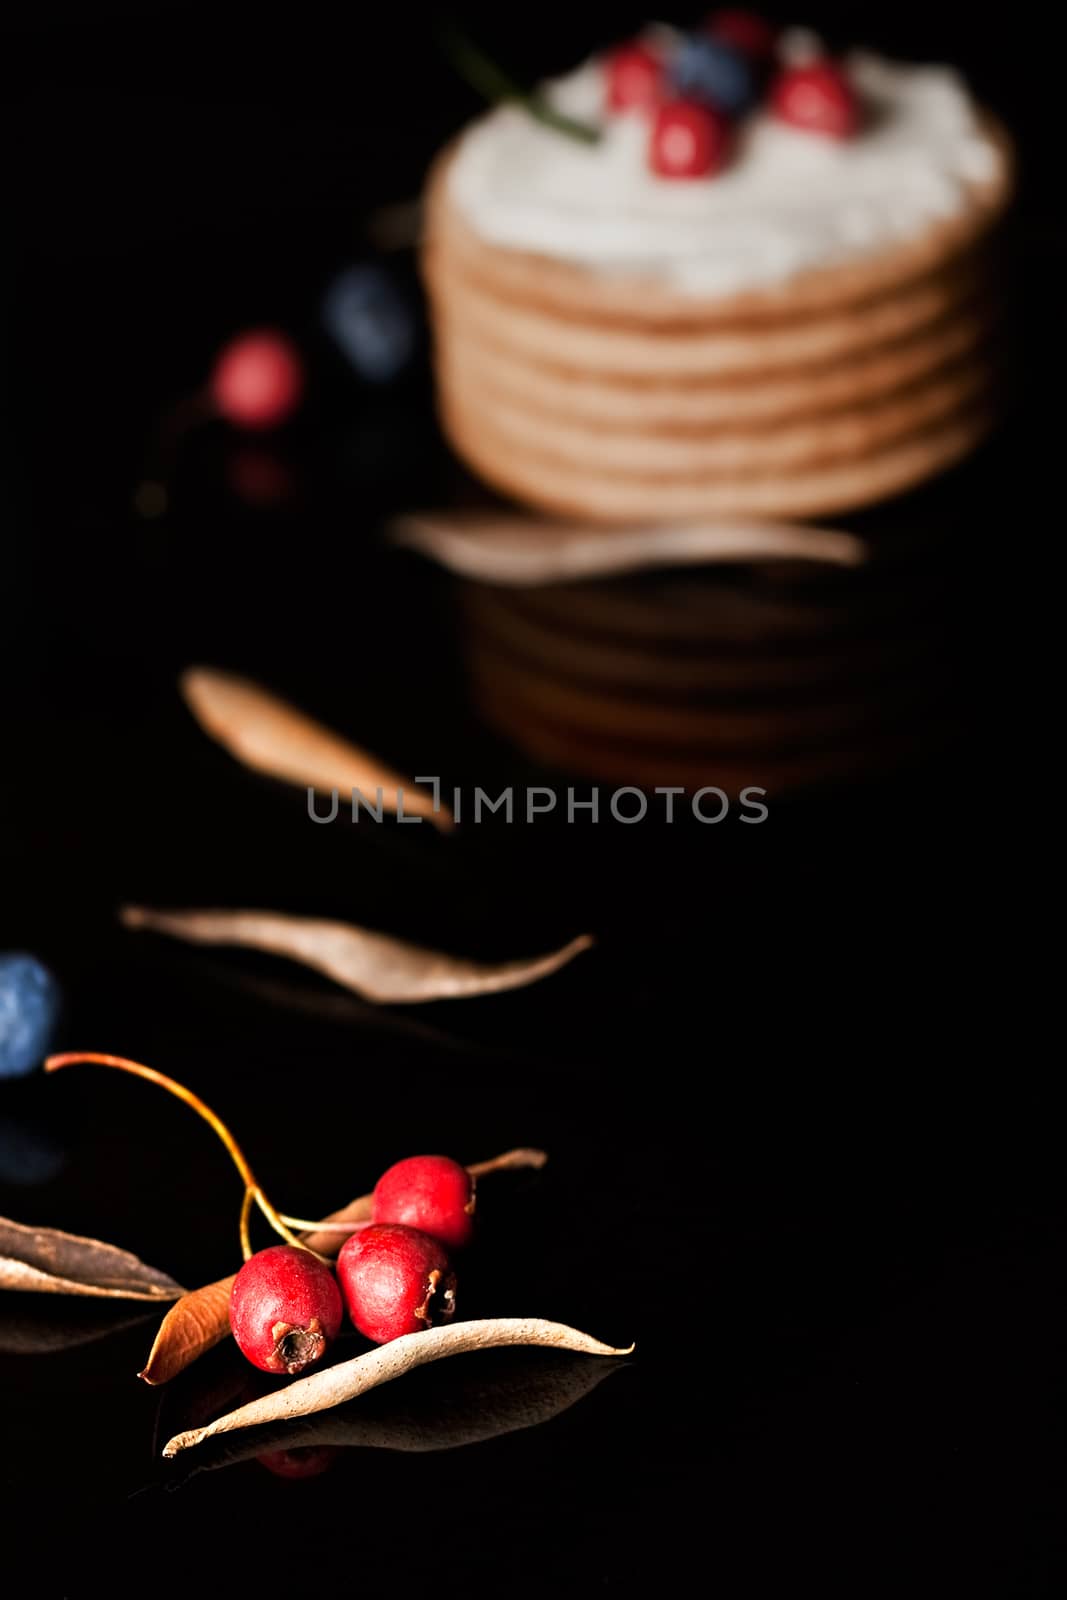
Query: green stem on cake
490	80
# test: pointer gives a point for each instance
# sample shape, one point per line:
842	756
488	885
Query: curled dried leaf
275	738
196	1322
201	1318
464	1410
517	551
336	1385
374	965
48	1261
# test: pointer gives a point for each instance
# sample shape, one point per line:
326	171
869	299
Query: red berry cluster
395	1273
692	104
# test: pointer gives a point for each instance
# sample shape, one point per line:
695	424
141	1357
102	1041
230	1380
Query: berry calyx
745	30
432	1193
285	1309
633	77
689	140
258	379
395	1280
818	98
717	72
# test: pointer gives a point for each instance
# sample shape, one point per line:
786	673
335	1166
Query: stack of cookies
786	311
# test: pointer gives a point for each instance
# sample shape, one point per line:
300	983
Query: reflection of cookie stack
806	332
726	678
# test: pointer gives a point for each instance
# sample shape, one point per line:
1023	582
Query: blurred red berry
745	30
689	140
818	98
302	1461
634	77
258	379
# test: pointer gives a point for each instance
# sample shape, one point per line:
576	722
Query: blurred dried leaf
275	738
46	1261
378	967
520	551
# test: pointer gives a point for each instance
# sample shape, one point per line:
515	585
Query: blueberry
708	69
29	1013
367	316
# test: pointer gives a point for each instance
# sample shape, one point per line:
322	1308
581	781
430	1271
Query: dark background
804	1142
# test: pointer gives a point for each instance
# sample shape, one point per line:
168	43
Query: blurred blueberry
708	69
29	1152
29	1013
367	316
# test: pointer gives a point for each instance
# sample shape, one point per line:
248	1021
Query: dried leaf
519	551
376	966
336	1385
468	1409
273	737
193	1324
47	1261
201	1318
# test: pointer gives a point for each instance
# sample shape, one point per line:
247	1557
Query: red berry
634	77
431	1193
395	1280
745	30
817	97
302	1461
285	1309
689	140
258	379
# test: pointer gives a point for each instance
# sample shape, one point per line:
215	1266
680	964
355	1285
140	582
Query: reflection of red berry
258	379
303	1461
285	1309
395	1281
431	1193
689	140
634	77
745	30
818	98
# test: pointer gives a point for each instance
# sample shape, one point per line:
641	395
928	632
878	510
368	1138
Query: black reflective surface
804	1149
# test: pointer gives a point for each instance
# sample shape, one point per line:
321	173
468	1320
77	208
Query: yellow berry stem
252	1190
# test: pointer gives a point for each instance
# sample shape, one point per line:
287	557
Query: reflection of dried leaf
50	1262
466	1409
520	551
350	1379
192	1325
201	1318
29	1327
376	966
274	737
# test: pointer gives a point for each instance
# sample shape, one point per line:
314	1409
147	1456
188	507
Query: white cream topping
790	201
